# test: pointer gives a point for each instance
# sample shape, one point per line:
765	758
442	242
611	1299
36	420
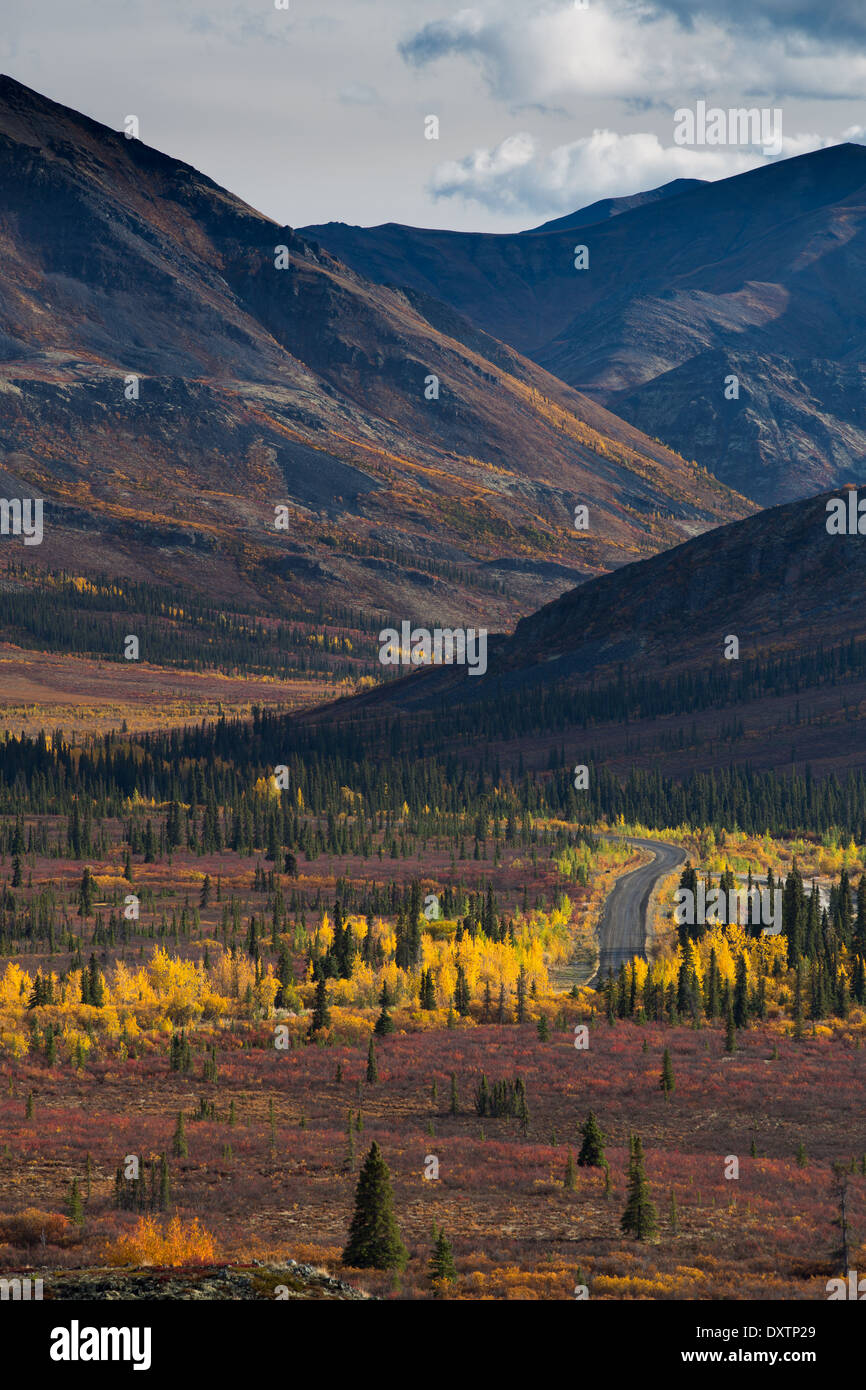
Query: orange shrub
33	1227
148	1244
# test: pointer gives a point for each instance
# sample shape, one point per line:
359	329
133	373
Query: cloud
640	51
359	94
515	177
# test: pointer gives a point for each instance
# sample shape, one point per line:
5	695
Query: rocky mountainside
761	276
174	367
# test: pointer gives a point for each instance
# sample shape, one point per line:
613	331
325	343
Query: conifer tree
592	1149
640	1216
384	1023
521	995
74	1204
164	1185
667	1082
372	1069
730	1030
321	1012
374	1239
179	1146
442	1269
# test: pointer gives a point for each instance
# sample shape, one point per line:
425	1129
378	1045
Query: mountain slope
638	665
766	268
301	386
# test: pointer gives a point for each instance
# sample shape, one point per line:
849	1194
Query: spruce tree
321	1013
384	1024
442	1268
667	1082
179	1146
640	1216
372	1069
730	1030
374	1239
592	1149
74	1204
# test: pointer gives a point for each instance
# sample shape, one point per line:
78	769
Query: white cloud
514	176
631	50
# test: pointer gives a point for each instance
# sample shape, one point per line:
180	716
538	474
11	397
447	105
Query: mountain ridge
768	266
303	386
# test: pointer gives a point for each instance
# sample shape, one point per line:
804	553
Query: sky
317	112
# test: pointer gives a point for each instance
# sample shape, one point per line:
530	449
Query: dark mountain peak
614	207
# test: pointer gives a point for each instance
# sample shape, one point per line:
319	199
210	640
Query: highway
624	925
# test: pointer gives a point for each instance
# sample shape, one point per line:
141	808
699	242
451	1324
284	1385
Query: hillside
302	386
632	665
760	275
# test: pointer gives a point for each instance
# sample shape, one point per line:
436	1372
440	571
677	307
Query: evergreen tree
179	1146
164	1185
592	1149
321	1012
74	1204
730	1030
442	1268
667	1082
640	1216
372	1069
384	1024
521	995
85	894
374	1239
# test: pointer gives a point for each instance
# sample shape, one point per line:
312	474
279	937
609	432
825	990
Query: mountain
638	665
760	276
612	207
304	385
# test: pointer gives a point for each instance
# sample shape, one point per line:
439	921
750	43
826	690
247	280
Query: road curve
623	927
